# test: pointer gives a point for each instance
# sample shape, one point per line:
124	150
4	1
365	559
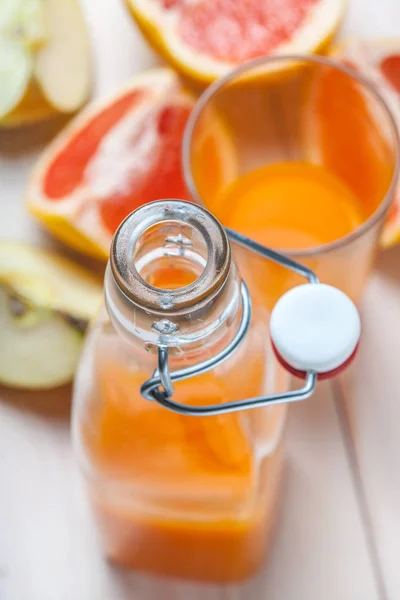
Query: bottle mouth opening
170	255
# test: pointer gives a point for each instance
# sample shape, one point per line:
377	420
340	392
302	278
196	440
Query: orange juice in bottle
190	497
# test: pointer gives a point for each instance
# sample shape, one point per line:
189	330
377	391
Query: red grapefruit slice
112	158
207	38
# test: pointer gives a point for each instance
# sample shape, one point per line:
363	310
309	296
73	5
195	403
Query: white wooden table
338	535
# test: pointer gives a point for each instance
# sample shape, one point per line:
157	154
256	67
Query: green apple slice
46	303
23	21
39	349
8	10
62	65
16	67
49	280
22	30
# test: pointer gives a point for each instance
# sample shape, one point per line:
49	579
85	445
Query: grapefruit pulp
207	38
114	157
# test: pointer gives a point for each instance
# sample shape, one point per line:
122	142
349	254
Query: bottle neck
171	280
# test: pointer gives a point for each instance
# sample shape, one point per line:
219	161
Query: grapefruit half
348	131
115	156
207	38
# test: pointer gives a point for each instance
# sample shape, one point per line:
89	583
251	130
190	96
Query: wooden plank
371	396
371	387
49	547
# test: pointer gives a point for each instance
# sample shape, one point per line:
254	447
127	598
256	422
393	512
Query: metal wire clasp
160	386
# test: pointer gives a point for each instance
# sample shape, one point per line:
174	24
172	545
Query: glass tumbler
297	113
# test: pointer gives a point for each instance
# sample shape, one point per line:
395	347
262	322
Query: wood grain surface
338	532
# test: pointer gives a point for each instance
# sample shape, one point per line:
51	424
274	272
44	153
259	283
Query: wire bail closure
160	387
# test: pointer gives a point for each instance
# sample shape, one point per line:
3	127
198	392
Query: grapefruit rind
159	29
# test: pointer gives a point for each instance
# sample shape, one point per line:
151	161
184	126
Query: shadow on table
17	141
53	404
141	587
388	263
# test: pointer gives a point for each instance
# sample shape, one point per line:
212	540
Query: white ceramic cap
315	327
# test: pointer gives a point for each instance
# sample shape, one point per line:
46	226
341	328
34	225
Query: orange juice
192	497
208	461
290	205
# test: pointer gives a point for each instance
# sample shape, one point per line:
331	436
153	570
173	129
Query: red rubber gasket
320	376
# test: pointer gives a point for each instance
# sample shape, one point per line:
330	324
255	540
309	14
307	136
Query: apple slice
16	68
44	59
24	20
39	349
62	64
46	303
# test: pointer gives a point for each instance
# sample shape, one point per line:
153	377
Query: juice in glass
309	167
296	205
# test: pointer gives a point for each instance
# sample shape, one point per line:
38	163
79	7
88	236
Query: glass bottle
191	497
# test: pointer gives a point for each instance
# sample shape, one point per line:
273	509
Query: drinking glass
282	108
